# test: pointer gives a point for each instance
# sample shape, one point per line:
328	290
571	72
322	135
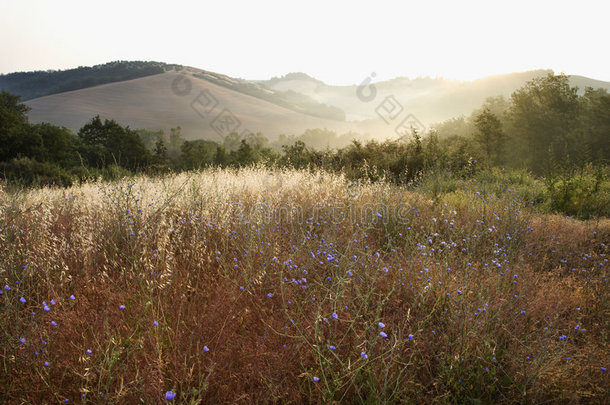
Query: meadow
259	285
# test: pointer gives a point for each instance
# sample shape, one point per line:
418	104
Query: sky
339	42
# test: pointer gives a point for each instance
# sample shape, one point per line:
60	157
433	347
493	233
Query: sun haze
339	42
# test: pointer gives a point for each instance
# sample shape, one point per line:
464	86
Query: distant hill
430	100
140	94
31	85
203	108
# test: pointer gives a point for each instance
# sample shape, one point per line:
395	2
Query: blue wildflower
381	325
121	306
206	349
316	379
383	335
364	355
22	300
170	395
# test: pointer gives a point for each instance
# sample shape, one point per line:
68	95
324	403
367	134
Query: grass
297	287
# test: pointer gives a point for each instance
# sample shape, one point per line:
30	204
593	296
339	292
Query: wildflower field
285	286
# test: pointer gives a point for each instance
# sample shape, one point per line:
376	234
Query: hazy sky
339	42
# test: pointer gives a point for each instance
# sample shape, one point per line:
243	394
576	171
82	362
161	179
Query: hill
30	85
430	100
204	109
139	94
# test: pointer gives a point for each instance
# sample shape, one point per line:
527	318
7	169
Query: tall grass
292	286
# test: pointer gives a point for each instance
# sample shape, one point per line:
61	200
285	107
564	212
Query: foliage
31	85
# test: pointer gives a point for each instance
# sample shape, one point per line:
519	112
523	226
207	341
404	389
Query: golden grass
252	264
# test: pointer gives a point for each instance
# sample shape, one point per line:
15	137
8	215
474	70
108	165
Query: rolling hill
209	105
430	100
203	109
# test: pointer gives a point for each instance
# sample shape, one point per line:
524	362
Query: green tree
109	143
490	135
544	114
160	153
595	124
14	129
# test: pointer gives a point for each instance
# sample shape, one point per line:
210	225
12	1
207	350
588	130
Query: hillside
151	103
430	100
288	104
30	85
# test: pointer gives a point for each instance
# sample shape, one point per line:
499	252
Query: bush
584	193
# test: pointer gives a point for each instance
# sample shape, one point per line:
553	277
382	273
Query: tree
544	115
175	142
490	135
595	124
109	143
160	153
13	126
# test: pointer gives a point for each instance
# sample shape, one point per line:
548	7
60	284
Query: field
251	285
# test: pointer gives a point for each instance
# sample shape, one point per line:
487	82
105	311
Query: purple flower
46	364
89	351
206	349
316	379
381	325
121	307
22	300
383	335
155	323
335	316
410	336
170	395
72	297
22	340
332	347
364	355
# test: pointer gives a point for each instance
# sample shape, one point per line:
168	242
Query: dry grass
253	264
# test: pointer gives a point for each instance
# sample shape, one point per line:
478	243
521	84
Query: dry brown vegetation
231	287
